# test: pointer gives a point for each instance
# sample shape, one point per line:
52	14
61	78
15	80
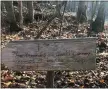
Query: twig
62	19
50	20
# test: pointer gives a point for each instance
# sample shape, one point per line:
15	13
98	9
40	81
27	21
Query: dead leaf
8	77
101	81
8	83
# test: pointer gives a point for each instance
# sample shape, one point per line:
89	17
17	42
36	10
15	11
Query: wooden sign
59	54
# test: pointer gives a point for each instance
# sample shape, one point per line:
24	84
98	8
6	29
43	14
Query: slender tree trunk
30	11
98	24
21	14
10	11
58	8
94	6
81	13
73	6
11	16
61	18
93	11
2	5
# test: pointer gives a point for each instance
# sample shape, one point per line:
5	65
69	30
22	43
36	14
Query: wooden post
50	79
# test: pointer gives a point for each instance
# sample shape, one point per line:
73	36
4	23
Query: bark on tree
20	14
10	11
2	5
93	9
81	13
73	6
98	25
61	18
11	17
30	11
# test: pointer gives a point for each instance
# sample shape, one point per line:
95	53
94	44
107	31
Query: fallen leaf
101	81
8	77
7	84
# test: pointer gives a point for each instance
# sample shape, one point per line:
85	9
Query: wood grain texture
60	54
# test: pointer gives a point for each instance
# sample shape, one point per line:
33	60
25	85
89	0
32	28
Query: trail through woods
41	29
78	79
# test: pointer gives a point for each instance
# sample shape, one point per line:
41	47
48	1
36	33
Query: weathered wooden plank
59	54
50	79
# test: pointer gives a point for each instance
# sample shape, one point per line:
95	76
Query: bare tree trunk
81	13
98	25
2	5
11	16
61	18
10	11
30	11
93	9
21	14
73	6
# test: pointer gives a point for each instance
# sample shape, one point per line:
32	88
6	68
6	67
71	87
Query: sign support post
50	79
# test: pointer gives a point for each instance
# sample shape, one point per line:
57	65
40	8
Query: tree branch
51	19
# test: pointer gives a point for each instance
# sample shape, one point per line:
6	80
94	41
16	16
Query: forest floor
97	78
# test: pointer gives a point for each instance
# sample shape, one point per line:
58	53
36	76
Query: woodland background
30	20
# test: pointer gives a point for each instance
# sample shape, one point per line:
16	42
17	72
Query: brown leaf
8	77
